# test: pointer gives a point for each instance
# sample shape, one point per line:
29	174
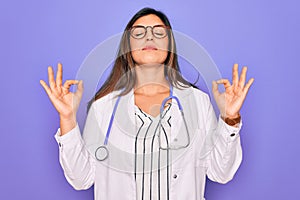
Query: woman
153	152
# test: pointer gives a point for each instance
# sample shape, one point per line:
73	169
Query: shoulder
192	92
201	97
199	92
105	102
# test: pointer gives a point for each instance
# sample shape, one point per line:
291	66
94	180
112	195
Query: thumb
215	89
79	89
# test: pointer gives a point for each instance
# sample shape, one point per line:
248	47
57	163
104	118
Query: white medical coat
215	149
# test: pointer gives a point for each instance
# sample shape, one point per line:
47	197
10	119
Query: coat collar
127	110
128	101
124	126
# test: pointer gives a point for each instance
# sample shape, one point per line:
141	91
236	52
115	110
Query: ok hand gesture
65	102
231	101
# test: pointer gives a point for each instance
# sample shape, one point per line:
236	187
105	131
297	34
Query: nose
149	35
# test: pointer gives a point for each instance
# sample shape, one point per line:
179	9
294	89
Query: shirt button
232	134
175	176
59	144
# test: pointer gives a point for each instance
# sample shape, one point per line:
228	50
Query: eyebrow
148	25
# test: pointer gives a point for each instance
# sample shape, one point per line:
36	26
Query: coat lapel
178	131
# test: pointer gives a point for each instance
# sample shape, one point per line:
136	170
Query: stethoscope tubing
104	146
105	152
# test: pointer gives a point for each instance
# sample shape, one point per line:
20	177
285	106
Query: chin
149	58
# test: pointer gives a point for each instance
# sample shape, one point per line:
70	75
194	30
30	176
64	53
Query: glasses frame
146	30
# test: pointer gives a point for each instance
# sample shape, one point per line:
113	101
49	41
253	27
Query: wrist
67	117
232	120
67	124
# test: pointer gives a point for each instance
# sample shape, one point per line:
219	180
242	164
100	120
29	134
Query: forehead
148	20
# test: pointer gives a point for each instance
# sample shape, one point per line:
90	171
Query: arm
78	166
75	160
226	155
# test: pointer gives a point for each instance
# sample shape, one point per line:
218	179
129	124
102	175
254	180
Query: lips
149	48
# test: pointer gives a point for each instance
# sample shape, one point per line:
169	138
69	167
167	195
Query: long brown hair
123	76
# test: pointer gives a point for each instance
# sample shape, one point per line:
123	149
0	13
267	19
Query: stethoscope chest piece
101	153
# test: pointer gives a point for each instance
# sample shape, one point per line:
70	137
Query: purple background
264	35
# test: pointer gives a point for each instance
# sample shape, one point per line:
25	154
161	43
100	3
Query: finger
69	83
243	77
51	78
59	75
235	75
247	86
215	89
45	86
80	89
225	82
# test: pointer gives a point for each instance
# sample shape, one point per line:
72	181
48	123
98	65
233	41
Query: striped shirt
152	170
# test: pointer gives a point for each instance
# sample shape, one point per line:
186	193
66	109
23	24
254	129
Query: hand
65	102
231	101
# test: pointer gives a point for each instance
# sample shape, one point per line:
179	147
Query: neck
151	79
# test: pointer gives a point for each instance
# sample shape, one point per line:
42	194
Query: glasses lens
159	32
138	32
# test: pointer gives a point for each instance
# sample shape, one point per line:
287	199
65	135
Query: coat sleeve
225	156
77	163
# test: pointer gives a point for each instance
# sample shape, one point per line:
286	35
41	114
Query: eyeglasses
158	31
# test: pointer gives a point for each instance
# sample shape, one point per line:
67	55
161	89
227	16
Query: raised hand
65	102
231	101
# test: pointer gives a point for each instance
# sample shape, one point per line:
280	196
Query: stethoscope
102	152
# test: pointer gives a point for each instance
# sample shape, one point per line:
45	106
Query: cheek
136	44
163	48
135	55
163	44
